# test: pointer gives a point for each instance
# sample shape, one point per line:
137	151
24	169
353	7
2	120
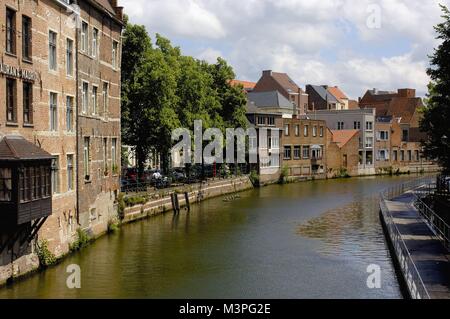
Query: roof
323	93
286	82
16	148
337	93
106	4
246	84
403	108
342	137
270	99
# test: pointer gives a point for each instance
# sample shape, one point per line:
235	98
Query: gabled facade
281	82
321	99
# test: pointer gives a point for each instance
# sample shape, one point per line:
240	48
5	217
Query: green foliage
82	240
135	200
284	174
163	90
121	205
46	258
436	114
254	178
342	173
113	226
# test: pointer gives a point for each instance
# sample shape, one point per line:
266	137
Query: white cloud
320	42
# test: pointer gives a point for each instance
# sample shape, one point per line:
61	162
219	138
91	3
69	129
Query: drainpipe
77	126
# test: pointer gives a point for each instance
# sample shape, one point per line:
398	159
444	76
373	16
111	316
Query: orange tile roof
337	92
246	84
342	137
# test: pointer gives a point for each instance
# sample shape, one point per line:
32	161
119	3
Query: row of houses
60	125
321	132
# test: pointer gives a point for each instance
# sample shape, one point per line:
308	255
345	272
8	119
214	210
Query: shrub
135	200
113	226
284	174
82	241
254	178
46	257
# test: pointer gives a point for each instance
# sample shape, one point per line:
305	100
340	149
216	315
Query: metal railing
411	275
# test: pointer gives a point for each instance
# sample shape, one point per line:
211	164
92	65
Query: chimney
408	93
267	72
375	91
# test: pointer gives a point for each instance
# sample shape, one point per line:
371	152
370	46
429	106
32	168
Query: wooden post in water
188	205
177	203
174	204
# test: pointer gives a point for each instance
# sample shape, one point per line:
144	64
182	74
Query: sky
354	44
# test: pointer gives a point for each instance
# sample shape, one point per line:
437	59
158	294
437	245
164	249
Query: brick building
342	147
281	82
40	126
303	146
98	135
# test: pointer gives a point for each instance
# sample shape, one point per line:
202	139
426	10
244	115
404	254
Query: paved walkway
427	252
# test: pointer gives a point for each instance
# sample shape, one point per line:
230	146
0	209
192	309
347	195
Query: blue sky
355	44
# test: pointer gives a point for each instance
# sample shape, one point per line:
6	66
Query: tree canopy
436	119
163	90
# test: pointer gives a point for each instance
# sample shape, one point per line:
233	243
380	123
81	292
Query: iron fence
411	275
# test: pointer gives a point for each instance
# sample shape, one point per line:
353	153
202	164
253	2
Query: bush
254	178
284	174
113	226
82	241
46	257
135	200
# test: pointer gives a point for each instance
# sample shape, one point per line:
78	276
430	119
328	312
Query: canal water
306	240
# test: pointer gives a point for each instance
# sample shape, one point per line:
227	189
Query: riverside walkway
425	261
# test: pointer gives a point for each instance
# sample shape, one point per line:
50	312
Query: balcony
25	182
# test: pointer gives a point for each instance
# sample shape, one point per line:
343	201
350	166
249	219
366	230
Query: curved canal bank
306	240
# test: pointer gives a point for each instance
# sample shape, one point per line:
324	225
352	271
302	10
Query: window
409	156
383	155
70	173
5	185
271	121
314	131
55	175
287	152
260	119
86	158
53	111
26	38
357	125
69	57
405	135
395	155
52	60
297	152
369	126
321	131
94	42
417	155
297	130
340	125
402	155
306	152
274	160
34	183
305	130
105	97
94	99
253	143
84	37
273	142
105	155
369	142
286	129
69	114
114	155
10	31
114	54
27	103
383	135
11	108
85	98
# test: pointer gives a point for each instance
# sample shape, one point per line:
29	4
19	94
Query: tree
436	117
